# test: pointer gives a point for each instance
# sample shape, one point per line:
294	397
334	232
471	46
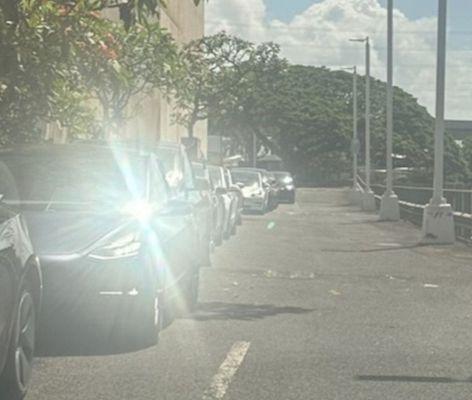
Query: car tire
150	322
192	291
19	366
142	326
219	238
207	256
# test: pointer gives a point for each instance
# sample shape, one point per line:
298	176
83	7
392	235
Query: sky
317	32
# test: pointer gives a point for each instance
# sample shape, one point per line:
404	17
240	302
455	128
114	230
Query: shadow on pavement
412	379
372	221
244	312
76	342
379	249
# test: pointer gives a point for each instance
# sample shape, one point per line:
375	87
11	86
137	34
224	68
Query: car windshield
199	170
53	181
216	177
169	158
283	177
246	178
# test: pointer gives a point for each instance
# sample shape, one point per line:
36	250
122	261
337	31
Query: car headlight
139	209
289	187
121	247
287	180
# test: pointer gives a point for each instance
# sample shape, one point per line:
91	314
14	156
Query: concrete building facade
150	117
185	22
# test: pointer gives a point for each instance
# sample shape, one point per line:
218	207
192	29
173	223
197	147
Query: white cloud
319	36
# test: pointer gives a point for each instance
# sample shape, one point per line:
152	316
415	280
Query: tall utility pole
355	193
438	218
389	208
368	197
355	140
254	150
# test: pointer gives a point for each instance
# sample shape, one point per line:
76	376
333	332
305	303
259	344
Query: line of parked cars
109	239
263	190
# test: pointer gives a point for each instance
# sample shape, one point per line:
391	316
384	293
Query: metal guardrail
413	199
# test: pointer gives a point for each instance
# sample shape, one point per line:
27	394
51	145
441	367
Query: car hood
248	191
67	233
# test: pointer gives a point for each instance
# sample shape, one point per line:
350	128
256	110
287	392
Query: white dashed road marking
228	369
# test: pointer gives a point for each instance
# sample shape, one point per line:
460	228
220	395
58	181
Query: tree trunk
191	127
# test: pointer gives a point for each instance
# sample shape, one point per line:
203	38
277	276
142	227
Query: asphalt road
312	301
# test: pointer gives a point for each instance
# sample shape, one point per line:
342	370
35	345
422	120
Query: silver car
256	194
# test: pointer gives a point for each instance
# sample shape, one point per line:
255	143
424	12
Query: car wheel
192	291
227	234
140	326
19	367
207	256
219	238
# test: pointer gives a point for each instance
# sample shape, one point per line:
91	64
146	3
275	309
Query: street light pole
389	208
368	197
438	218
355	193
254	150
367	113
355	140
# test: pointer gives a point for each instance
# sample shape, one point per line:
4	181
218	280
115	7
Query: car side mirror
220	191
240	185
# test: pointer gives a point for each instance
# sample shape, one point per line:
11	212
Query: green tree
125	64
58	55
309	123
219	77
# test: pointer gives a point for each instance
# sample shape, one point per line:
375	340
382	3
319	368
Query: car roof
91	150
260	170
246	171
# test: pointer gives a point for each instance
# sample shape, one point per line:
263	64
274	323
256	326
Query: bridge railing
413	199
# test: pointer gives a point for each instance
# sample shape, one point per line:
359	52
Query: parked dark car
236	190
269	177
287	187
217	205
115	251
228	197
181	179
20	299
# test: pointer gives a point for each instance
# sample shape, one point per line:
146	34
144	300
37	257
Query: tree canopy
306	117
60	56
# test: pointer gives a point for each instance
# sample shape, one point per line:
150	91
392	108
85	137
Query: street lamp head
360	40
